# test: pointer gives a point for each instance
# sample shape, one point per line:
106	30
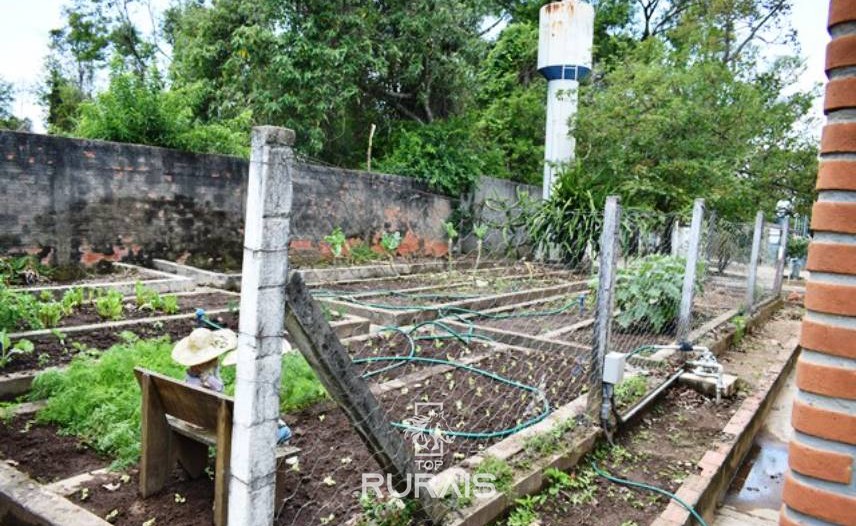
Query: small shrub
648	293
798	247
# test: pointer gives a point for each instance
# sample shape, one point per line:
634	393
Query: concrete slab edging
161	282
24	501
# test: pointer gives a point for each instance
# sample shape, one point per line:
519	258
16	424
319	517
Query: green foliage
18	309
648	292
390	242
361	253
147	298
550	441
8	351
798	247
571	220
444	154
50	313
98	400
8	121
480	231
630	390
336	240
451	233
109	305
524	513
141	110
739	323
502	473
22	270
388	512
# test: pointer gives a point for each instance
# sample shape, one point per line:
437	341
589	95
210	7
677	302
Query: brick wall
820	487
91	200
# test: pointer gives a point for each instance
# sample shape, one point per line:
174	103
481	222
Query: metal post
711	238
685	316
753	263
783	253
603	318
263	280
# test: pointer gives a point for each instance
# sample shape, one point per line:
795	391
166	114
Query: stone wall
496	203
82	200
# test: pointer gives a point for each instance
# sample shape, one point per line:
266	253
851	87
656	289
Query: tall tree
8	121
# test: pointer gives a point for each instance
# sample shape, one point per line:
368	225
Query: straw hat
232	357
203	345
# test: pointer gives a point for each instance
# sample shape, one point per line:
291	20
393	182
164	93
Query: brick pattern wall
820	488
80	200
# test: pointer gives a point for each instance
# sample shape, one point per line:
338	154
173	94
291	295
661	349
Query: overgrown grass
98	400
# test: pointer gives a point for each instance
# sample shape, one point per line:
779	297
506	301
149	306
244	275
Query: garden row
488	403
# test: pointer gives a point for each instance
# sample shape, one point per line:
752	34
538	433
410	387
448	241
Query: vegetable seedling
336	240
8	351
390	243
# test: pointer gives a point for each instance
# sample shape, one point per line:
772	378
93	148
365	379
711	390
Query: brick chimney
820	487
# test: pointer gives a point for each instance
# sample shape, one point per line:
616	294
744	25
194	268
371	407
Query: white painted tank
565	44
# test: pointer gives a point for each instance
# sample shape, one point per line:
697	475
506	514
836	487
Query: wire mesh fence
496	342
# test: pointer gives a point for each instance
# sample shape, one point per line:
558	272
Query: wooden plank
603	318
330	361
686	310
195	405
221	463
156	462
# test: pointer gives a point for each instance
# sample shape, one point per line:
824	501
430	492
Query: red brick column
820	488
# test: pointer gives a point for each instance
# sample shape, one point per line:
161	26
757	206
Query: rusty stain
558	6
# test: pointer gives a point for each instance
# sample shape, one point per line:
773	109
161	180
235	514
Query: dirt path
755	496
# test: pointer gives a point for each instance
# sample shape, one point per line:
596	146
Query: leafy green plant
71	299
18	309
451	235
109	306
630	390
361	253
390	242
499	469
50	313
336	240
8	351
385	512
169	304
22	270
648	292
550	441
524	513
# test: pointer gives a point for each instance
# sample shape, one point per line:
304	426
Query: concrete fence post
685	315
753	263
605	300
263	281
782	256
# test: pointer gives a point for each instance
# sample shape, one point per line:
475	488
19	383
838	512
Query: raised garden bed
403	308
585	499
57	348
123	279
332	452
231	278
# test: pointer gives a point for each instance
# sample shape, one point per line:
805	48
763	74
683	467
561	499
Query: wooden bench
179	423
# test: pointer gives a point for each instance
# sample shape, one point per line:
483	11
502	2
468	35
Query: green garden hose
642	485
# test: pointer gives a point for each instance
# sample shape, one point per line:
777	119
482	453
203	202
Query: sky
24	27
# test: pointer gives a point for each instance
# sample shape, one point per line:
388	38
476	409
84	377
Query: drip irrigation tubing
655	489
446	332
